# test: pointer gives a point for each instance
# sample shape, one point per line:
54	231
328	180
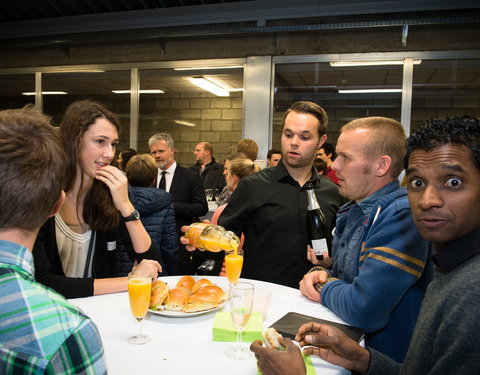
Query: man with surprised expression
443	174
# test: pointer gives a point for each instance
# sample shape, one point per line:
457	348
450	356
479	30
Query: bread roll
186	281
158	295
177	298
206	298
199	283
270	338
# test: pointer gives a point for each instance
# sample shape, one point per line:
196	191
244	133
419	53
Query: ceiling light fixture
209	67
139	91
209	86
369	91
185	123
46	93
370	63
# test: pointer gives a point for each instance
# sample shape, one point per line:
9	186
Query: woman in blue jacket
155	208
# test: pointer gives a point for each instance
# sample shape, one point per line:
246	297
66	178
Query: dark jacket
189	203
212	175
158	217
111	249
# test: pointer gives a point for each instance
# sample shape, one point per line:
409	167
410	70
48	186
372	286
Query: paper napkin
223	329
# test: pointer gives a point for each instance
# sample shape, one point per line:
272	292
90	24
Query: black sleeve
197	205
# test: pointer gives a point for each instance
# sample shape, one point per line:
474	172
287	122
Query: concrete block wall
217	120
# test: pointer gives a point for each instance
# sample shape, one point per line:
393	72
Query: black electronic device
289	324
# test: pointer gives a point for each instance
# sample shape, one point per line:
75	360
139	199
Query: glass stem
239	338
140	320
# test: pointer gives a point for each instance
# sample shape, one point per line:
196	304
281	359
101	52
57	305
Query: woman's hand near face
118	184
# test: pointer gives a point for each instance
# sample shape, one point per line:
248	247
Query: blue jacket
158	218
384	268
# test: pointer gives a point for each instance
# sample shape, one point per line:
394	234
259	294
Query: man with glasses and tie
187	190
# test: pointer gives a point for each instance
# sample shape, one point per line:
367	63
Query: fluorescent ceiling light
139	91
370	63
75	71
369	91
209	86
46	93
209	67
235	90
186	123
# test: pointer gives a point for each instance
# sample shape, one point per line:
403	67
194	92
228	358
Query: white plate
171	281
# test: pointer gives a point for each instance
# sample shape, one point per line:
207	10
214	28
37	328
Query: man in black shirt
270	207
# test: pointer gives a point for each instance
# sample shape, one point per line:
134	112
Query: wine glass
209	194
139	290
241	301
233	264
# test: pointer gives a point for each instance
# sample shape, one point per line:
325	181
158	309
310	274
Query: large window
189	113
17	90
345	92
445	88
96	85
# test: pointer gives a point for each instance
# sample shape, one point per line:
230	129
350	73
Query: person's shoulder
42	308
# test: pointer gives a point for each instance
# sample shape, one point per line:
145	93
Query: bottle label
320	246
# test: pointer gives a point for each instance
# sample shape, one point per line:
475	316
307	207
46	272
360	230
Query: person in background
443	174
320	166
273	157
186	188
381	264
84	249
327	154
123	158
209	170
249	147
226	193
156	209
270	207
237	167
40	331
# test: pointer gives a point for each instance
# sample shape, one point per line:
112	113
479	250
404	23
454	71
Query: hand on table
309	280
332	345
150	266
275	362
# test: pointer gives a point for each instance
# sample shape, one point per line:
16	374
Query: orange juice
214	245
139	290
211	237
233	264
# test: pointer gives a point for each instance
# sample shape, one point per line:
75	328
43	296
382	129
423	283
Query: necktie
163	181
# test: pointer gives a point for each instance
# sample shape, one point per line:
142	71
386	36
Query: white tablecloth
184	345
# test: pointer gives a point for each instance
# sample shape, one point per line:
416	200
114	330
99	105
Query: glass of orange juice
233	264
139	290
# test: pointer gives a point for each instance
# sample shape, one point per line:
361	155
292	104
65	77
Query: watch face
135	215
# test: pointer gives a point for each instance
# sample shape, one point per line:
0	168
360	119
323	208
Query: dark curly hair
463	131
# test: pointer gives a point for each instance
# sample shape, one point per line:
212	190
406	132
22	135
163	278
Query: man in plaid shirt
40	331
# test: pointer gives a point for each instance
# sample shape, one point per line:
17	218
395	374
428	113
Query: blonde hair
141	170
242	167
387	138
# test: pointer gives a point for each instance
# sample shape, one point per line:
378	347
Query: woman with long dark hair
82	250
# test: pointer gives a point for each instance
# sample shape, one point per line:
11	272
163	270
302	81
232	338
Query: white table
184	345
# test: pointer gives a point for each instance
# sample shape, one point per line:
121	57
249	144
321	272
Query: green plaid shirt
40	331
